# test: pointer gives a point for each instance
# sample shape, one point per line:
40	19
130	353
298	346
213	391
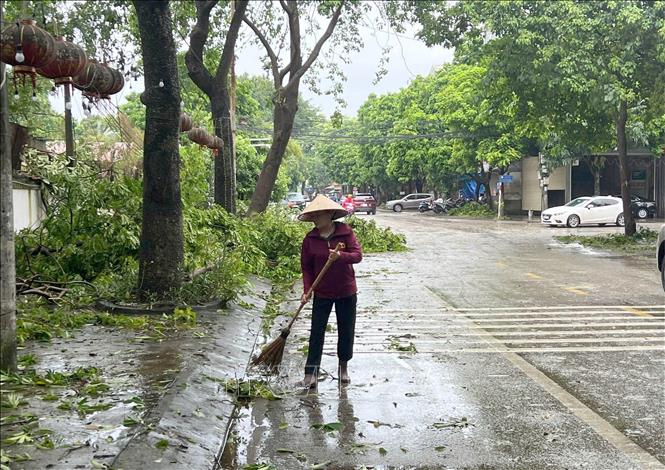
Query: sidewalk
165	408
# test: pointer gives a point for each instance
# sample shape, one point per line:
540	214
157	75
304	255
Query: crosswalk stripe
406	314
501	350
521	341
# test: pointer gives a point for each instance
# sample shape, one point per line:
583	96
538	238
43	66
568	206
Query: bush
473	209
92	229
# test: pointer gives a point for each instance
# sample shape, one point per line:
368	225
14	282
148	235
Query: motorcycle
438	206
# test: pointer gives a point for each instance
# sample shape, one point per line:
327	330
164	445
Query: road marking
406	314
577	291
526	333
416	342
637	311
534	276
571	307
500	350
587	415
379	309
501	264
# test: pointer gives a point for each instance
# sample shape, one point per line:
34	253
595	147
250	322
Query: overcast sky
408	56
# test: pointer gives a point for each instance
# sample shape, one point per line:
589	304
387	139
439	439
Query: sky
408	58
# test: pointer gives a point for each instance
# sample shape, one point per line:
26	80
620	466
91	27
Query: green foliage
36	321
641	241
375	239
249	389
473	209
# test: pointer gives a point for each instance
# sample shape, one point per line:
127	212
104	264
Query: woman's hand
305	298
334	255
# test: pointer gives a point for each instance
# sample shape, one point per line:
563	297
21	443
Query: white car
599	210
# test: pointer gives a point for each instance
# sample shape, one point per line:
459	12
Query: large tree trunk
7	261
161	248
225	188
286	106
623	167
216	88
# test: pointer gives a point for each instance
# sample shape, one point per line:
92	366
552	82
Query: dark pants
345	309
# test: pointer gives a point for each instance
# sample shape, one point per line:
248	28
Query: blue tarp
469	189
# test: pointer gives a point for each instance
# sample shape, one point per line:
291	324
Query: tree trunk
7	261
596	182
630	228
286	106
225	188
161	248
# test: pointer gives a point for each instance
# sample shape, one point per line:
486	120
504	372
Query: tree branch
271	54
197	39
221	76
294	35
295	77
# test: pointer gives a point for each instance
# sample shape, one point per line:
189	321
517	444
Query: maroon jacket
340	280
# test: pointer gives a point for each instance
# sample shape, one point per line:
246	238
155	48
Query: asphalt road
488	345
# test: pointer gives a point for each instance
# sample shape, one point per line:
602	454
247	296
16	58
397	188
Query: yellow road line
501	264
534	276
637	311
577	291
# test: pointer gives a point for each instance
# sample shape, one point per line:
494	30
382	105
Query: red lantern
70	60
200	136
186	122
118	83
27	47
98	80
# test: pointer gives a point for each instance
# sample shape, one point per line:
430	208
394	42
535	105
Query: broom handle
329	263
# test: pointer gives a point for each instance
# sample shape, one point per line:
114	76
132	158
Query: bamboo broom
271	355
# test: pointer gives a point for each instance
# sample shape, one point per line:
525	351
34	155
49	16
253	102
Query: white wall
28	207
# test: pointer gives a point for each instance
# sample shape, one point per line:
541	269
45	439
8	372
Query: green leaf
162	444
329	427
382	451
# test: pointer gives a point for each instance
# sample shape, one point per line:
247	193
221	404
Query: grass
642	241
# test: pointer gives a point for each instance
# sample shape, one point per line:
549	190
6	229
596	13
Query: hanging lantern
118	83
95	81
186	122
26	47
200	136
70	60
217	143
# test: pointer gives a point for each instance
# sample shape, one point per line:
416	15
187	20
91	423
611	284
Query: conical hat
320	204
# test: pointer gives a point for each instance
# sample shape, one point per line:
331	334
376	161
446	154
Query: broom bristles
271	355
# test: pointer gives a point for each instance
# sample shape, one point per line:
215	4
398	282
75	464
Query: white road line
527	333
648	339
380	310
567	307
388	328
449	314
499	350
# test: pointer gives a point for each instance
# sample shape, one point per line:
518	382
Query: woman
338	286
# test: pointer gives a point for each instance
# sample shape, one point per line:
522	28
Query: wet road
486	346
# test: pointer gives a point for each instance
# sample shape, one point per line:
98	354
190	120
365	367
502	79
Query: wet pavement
166	407
488	345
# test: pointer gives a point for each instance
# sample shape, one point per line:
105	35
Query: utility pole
69	132
544	177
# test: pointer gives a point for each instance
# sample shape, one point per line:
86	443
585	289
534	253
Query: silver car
660	254
410	201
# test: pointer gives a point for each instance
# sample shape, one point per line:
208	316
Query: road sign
506	178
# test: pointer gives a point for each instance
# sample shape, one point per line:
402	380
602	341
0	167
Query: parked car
642	208
364	202
410	201
295	200
660	255
599	210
